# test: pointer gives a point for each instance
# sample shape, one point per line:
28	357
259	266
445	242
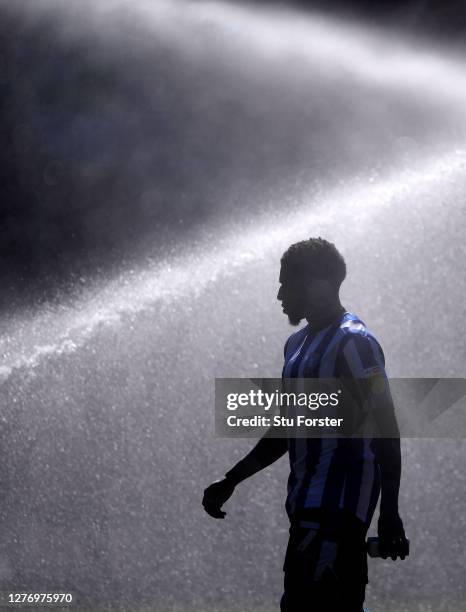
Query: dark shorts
325	564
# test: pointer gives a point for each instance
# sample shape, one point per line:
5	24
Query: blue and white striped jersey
333	473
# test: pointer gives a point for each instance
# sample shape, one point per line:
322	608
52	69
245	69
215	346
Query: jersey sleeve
360	357
360	365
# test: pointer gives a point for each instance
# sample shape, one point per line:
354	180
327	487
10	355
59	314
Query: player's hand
215	496
392	538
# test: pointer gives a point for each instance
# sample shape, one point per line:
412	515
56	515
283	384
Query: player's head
310	277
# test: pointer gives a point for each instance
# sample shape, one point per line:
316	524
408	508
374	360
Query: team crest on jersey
374	371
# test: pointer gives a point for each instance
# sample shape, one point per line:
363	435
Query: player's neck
320	319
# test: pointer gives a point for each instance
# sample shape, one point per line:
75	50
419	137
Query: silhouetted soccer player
334	483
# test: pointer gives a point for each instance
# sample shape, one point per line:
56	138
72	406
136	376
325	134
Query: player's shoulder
352	328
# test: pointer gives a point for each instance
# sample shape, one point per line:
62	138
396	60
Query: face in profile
302	297
292	296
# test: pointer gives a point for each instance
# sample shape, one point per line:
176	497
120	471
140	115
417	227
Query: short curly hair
315	258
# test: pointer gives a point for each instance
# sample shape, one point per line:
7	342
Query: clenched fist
392	538
215	496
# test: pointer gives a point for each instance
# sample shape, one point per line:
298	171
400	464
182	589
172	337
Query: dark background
74	169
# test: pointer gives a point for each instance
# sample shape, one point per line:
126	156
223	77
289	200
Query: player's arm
392	539
362	364
264	453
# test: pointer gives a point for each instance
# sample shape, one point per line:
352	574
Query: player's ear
316	286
